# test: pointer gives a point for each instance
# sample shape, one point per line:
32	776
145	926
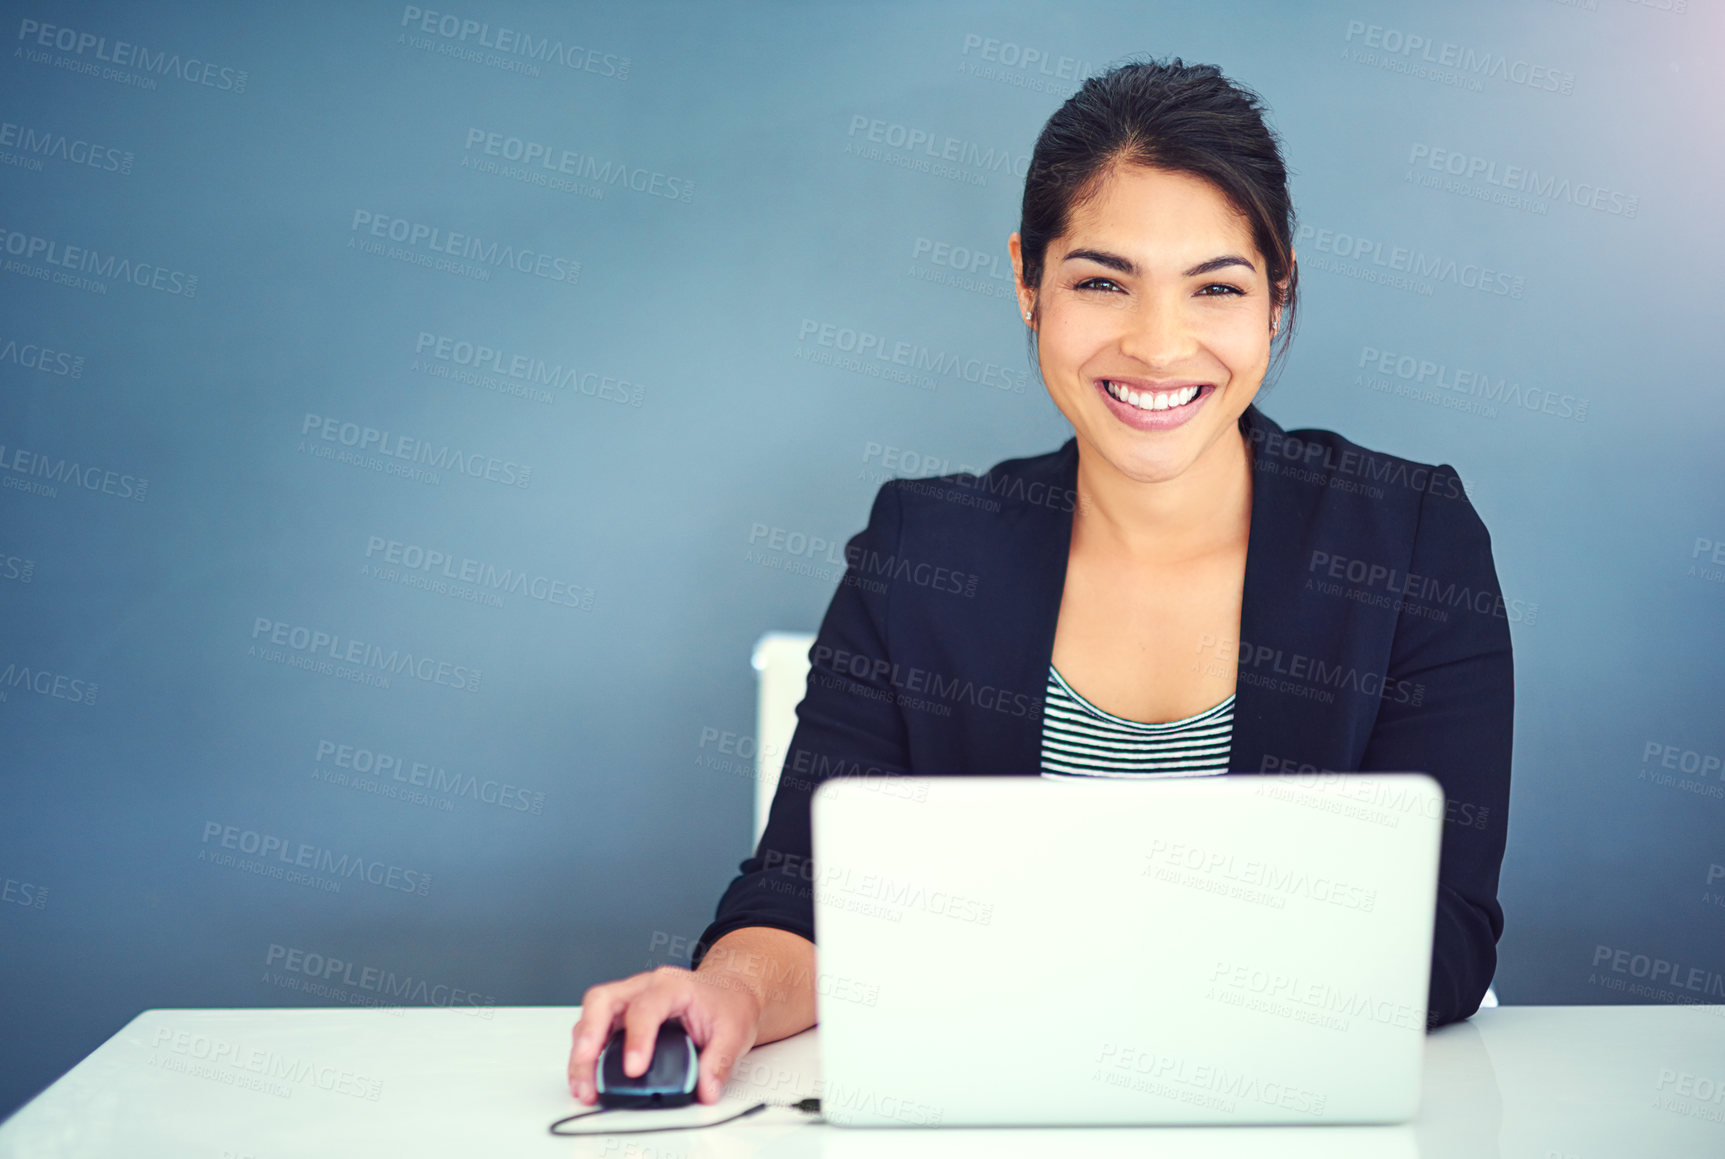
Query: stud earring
1027	315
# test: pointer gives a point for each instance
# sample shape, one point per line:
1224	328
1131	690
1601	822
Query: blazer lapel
1259	714
1020	617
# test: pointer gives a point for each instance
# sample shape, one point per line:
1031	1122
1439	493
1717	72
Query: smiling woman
1183	588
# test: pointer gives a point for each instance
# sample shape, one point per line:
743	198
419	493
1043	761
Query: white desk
1520	1082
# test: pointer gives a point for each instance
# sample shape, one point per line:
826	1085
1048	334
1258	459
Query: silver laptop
1242	949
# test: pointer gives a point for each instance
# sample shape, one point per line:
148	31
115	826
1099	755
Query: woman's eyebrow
1115	262
1124	265
1215	264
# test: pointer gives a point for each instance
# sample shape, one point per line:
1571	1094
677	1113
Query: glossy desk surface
1529	1082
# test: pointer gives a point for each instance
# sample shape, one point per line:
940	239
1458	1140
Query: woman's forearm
778	967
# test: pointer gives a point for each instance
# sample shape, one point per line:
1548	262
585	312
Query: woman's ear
1282	291
1026	296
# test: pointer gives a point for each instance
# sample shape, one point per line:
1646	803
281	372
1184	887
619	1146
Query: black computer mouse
668	1081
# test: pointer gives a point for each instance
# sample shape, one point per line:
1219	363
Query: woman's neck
1206	509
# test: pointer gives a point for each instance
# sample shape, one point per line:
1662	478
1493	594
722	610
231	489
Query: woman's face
1153	320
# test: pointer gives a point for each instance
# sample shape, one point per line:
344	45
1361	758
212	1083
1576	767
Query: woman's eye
1098	284
1218	289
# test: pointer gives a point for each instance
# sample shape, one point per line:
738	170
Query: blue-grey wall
411	417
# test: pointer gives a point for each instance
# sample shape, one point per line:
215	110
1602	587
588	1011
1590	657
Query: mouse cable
811	1106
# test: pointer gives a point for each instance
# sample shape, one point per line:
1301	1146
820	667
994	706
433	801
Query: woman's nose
1157	334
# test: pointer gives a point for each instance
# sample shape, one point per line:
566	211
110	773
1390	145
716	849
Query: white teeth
1152	400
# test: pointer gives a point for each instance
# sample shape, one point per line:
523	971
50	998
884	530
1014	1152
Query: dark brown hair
1176	117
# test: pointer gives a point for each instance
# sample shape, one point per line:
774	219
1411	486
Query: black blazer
1373	637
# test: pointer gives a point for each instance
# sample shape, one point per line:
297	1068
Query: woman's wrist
773	969
731	964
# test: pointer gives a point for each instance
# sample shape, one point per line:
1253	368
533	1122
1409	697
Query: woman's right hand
721	1015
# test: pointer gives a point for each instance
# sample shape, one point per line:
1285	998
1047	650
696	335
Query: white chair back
781	661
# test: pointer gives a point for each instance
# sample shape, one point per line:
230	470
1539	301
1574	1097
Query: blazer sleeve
848	723
1459	731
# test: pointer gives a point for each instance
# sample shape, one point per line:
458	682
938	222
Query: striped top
1081	740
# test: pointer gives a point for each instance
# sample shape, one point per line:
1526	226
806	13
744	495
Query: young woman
1182	589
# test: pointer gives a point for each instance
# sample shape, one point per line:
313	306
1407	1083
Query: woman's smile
1148	406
